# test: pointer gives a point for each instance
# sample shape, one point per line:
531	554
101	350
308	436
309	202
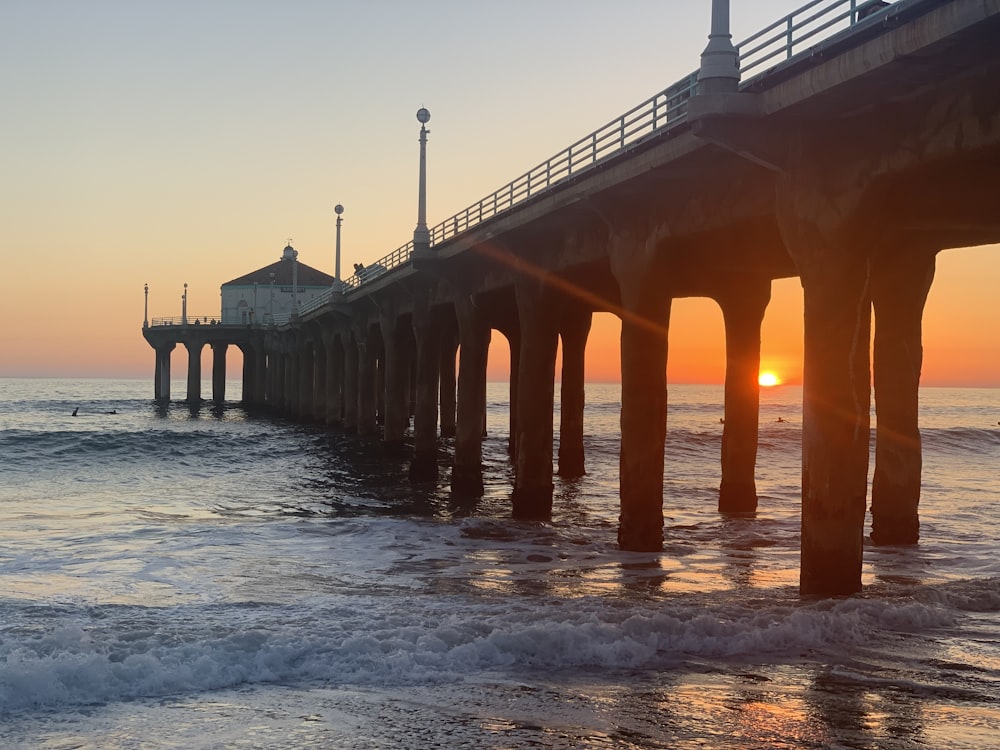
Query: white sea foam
128	653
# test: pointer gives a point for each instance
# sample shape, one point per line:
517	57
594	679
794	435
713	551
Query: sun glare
767	379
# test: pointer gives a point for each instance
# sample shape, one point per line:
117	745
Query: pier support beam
194	371
538	313
317	410
367	386
574	329
161	374
249	374
817	213
396	417
474	344
743	302
219	373
900	283
334	386
352	363
645	321
426	333
447	391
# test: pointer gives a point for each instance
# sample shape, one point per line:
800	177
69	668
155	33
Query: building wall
242	305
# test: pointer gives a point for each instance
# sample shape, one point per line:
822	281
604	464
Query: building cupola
290	252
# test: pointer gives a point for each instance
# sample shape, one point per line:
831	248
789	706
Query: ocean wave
27	447
121	654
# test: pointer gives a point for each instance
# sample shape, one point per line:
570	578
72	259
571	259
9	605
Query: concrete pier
833	164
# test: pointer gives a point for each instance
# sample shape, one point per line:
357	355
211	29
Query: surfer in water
76	410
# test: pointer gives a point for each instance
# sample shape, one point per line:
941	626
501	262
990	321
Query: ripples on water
205	578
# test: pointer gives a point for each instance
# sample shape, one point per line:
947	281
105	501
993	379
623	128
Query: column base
532	503
636	537
467	481
737	497
424	468
895	530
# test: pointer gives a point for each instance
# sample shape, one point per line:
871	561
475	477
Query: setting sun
767	379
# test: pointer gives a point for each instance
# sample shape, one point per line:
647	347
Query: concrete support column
351	391
514	343
334	380
260	377
423	466
900	283
830	249
643	422
396	417
317	410
447	391
194	372
538	313
367	376
219	372
743	303
307	378
161	376
249	373
574	329
645	321
289	382
474	343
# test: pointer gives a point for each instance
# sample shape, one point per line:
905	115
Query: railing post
854	12
789	37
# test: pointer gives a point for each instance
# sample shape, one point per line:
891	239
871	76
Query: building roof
282	270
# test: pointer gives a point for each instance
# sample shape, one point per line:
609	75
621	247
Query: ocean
175	577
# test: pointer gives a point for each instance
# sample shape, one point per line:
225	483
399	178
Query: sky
187	141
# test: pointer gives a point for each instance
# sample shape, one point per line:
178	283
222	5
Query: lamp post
338	209
720	66
145	310
422	237
184	306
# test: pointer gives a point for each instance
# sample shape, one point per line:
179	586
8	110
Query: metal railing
784	39
191	320
813	22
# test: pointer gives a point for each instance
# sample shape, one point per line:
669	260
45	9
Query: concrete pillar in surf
574	328
645	320
474	344
307	378
901	279
538	312
249	374
260	377
219	372
447	391
317	411
743	301
427	340
289	382
351	374
396	417
161	376
334	403
367	385
817	209
194	371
